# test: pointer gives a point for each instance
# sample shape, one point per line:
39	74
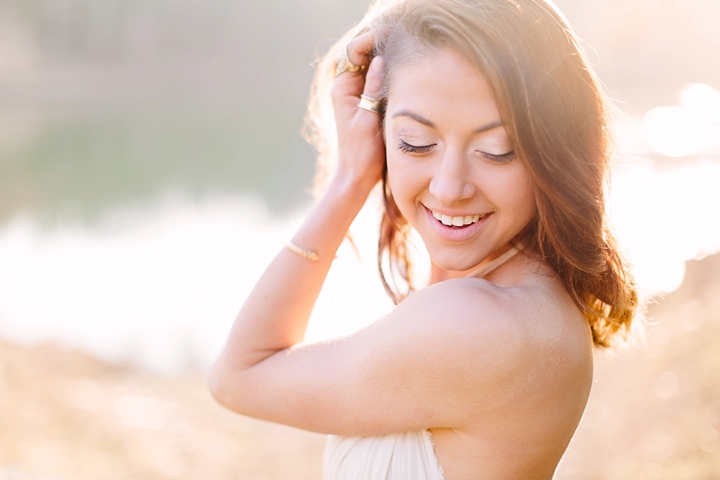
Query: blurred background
151	164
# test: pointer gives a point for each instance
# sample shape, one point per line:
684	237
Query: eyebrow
428	123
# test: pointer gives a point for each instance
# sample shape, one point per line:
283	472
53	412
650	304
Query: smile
456	221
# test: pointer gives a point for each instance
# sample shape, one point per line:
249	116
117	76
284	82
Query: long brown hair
554	111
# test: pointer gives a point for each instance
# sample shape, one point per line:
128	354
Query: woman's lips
458	221
452	232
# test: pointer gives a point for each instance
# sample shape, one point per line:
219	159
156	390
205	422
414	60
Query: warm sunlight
693	127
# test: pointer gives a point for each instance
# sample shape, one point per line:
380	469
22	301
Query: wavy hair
555	113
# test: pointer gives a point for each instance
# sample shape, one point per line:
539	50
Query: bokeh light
693	127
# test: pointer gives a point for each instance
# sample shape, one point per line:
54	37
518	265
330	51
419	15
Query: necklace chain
486	268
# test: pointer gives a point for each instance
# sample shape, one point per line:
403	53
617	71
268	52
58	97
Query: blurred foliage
109	102
76	167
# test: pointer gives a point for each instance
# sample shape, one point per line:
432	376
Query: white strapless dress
399	456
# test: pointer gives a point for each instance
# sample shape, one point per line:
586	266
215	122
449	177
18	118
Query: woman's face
451	166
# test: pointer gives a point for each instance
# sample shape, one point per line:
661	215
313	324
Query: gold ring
344	64
369	104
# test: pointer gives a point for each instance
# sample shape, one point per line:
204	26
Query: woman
486	127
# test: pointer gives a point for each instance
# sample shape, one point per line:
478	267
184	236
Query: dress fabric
399	456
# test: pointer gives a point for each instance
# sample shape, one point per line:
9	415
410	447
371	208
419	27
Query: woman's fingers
359	47
350	84
361	149
373	84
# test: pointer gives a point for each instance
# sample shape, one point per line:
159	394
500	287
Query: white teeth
456	221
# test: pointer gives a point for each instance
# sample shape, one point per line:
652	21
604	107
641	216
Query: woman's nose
450	182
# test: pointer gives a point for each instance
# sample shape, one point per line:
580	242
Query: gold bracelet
309	254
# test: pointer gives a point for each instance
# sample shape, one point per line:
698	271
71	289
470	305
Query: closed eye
504	158
409	148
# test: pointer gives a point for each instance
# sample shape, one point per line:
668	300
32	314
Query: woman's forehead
442	86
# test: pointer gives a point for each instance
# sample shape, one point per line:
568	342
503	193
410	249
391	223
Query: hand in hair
361	149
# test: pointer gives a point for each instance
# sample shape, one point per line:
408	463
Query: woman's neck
490	264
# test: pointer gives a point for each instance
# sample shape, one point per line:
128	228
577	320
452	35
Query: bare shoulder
538	314
527	352
532	332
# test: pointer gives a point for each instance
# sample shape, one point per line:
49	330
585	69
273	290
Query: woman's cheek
400	182
525	198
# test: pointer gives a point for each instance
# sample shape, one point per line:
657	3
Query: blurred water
67	168
160	285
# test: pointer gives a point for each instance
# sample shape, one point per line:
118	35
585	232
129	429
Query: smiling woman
451	166
486	127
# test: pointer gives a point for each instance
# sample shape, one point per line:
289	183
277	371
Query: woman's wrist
326	226
349	183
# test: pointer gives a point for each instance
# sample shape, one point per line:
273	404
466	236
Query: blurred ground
654	412
66	415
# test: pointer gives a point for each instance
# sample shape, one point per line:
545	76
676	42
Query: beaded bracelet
309	254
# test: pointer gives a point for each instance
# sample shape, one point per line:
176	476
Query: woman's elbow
220	385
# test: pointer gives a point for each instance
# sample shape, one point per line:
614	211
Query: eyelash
408	148
504	158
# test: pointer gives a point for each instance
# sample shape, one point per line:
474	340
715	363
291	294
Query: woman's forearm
276	313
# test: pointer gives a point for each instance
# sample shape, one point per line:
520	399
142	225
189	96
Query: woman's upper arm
432	362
